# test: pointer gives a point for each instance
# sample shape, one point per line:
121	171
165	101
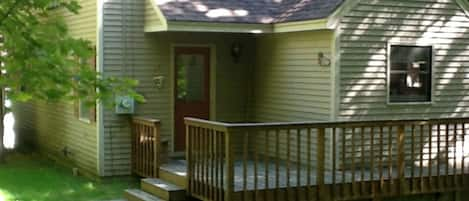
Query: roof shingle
247	11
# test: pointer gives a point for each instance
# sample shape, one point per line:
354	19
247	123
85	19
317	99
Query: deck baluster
401	159
438	159
430	153
145	148
353	171
245	161
310	162
362	161
277	164
463	153
266	163
412	157
447	182
390	163
334	161
422	184
288	160
321	138
372	162
455	149
256	161
344	149
298	164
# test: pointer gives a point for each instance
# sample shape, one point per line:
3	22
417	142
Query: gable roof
247	11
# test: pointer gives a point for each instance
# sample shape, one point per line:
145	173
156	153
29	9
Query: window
190	77
410	74
84	111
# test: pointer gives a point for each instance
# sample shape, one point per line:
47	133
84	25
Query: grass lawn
29	178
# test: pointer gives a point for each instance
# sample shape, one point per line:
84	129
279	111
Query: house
262	61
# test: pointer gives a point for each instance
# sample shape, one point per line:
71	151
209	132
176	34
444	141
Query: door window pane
190	77
410	74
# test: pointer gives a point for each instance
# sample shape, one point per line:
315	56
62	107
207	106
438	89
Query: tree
41	61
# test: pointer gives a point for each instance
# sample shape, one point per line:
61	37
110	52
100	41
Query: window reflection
410	73
190	77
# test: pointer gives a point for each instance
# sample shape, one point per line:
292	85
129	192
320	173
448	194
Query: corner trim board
333	20
99	105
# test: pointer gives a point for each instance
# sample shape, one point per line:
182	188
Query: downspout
99	105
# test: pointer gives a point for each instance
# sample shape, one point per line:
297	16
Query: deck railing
325	160
145	146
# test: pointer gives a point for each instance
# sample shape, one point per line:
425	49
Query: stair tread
178	167
167	186
164	139
116	200
144	196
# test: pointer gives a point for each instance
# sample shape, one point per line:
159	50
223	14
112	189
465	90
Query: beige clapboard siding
121	35
54	126
290	86
84	24
289	83
363	69
363	48
128	51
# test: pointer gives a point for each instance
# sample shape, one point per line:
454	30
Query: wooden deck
326	160
312	160
179	167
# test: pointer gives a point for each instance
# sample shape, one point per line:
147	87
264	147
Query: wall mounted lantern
323	60
158	79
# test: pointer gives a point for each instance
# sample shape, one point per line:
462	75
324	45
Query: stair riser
166	195
173	178
155	191
131	197
139	195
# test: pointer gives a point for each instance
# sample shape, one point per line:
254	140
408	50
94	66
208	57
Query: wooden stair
139	195
169	187
165	190
174	171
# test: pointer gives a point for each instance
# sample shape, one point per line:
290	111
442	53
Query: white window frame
388	72
80	117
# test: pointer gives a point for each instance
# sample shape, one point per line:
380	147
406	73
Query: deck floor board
179	167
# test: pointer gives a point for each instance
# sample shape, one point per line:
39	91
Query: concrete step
163	189
139	195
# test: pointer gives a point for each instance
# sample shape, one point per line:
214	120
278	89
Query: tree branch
8	13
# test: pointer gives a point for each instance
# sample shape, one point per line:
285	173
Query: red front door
192	88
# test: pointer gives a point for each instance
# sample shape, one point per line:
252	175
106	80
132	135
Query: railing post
321	164
229	159
156	149
401	159
188	158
